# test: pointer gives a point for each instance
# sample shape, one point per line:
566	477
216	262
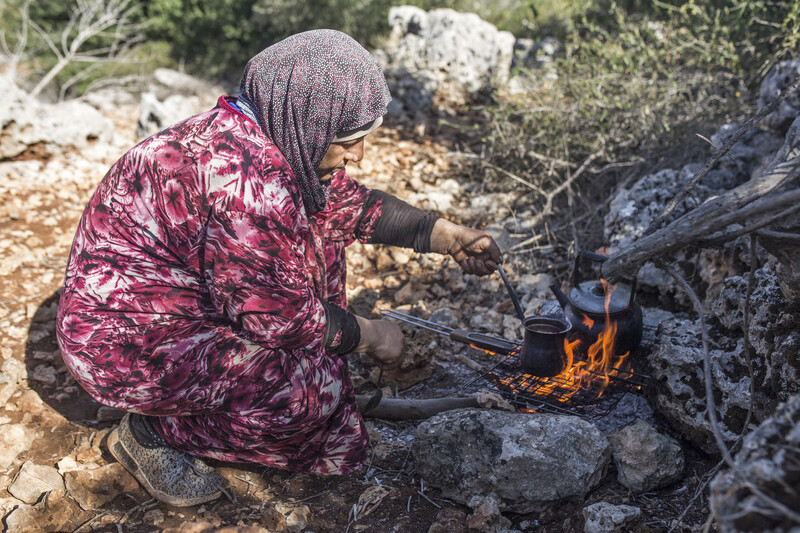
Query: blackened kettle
586	309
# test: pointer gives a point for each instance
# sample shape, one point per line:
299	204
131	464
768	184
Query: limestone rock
14	439
678	394
526	462
769	461
34	480
12	374
486	517
777	79
441	57
92	489
645	459
773	330
449	520
446	317
156	115
171	97
603	517
55	513
31	125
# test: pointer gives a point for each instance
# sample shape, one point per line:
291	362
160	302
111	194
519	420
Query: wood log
411	409
739	205
743	205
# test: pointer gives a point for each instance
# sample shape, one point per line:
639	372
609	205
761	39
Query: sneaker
170	476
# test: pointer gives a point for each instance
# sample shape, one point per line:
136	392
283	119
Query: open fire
589	369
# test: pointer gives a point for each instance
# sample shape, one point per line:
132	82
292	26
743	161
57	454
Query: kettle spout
560	296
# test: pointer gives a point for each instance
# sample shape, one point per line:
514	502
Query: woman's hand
382	340
473	249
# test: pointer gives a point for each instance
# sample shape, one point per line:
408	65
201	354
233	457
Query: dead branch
747	126
722	237
89	19
503	171
710	405
17	54
747	345
781	236
408	409
742	204
547	209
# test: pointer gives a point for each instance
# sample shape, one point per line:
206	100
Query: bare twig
729	235
429	500
710	405
746	325
89	19
700	489
788	238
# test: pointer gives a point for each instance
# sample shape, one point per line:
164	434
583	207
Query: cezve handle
483	342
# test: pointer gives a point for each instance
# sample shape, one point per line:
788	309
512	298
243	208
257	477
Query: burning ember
589	368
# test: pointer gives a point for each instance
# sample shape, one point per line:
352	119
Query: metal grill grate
590	399
557	395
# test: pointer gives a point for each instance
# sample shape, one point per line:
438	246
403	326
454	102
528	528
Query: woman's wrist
367	334
443	236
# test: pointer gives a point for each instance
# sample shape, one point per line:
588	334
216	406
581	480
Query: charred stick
411	409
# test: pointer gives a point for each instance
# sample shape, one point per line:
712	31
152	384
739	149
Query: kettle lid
590	297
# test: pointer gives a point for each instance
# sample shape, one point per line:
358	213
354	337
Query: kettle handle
586	254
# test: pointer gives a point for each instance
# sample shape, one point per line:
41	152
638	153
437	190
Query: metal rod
511	293
416	321
439	328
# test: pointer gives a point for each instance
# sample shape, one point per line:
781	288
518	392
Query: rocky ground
56	473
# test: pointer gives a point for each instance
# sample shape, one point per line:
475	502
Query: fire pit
579	391
592	385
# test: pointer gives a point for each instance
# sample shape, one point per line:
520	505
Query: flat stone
67	464
526	462
205	526
92	489
12	374
56	513
645	459
153	517
449	520
34	480
285	517
603	517
14	439
767	462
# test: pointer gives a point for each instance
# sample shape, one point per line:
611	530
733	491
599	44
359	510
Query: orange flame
596	370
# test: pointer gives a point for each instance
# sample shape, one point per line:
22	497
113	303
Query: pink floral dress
194	292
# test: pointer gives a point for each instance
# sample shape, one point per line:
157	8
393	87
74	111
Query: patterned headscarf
306	89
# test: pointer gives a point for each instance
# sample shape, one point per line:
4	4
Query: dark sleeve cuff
342	333
402	224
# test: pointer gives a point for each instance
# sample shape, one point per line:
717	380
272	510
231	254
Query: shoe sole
124	457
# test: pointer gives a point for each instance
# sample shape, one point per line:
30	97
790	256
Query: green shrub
635	78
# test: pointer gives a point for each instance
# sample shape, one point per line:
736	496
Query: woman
204	293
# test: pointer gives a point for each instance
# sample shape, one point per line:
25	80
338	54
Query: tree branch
747	126
735	206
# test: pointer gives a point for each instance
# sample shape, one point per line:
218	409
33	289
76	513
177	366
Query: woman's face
338	155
